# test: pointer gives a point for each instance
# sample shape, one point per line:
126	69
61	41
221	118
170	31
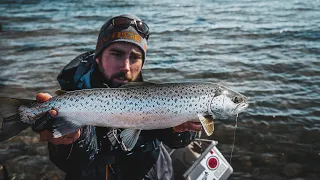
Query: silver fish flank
137	107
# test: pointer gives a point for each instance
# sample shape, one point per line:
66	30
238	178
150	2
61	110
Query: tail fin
10	122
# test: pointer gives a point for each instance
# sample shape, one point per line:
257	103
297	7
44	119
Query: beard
111	81
122	76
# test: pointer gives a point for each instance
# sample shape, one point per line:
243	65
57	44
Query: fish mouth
241	107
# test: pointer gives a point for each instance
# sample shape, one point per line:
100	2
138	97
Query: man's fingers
53	113
45	135
67	139
179	128
57	141
193	126
43	97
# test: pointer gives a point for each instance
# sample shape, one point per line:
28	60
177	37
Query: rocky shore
262	150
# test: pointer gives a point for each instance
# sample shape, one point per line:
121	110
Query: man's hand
46	135
191	126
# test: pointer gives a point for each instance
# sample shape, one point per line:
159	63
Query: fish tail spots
10	121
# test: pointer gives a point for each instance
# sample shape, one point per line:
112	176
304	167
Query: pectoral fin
129	138
207	124
62	126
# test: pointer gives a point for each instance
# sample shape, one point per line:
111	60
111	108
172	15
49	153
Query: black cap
110	34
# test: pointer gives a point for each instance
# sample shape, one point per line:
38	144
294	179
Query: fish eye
236	99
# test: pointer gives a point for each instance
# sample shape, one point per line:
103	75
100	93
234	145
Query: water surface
267	50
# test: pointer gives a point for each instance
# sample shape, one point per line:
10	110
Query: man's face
120	63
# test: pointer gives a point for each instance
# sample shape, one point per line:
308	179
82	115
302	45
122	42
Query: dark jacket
97	153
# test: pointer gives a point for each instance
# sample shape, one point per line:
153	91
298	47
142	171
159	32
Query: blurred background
266	50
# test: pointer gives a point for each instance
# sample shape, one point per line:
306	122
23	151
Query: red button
212	163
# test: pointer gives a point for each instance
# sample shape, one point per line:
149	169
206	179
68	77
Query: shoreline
257	154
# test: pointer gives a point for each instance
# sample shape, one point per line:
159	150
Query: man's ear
97	60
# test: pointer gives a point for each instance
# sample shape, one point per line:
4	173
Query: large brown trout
133	107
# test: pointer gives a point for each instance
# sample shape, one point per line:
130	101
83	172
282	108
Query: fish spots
95	93
166	100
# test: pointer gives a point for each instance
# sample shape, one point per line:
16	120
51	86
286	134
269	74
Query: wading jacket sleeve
82	153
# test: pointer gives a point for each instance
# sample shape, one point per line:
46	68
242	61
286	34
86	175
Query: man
95	152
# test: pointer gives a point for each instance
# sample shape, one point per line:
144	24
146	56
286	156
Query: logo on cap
120	35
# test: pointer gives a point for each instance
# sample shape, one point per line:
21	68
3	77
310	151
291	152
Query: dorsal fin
60	92
135	84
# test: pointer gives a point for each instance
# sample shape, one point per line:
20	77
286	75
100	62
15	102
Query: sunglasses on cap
124	22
